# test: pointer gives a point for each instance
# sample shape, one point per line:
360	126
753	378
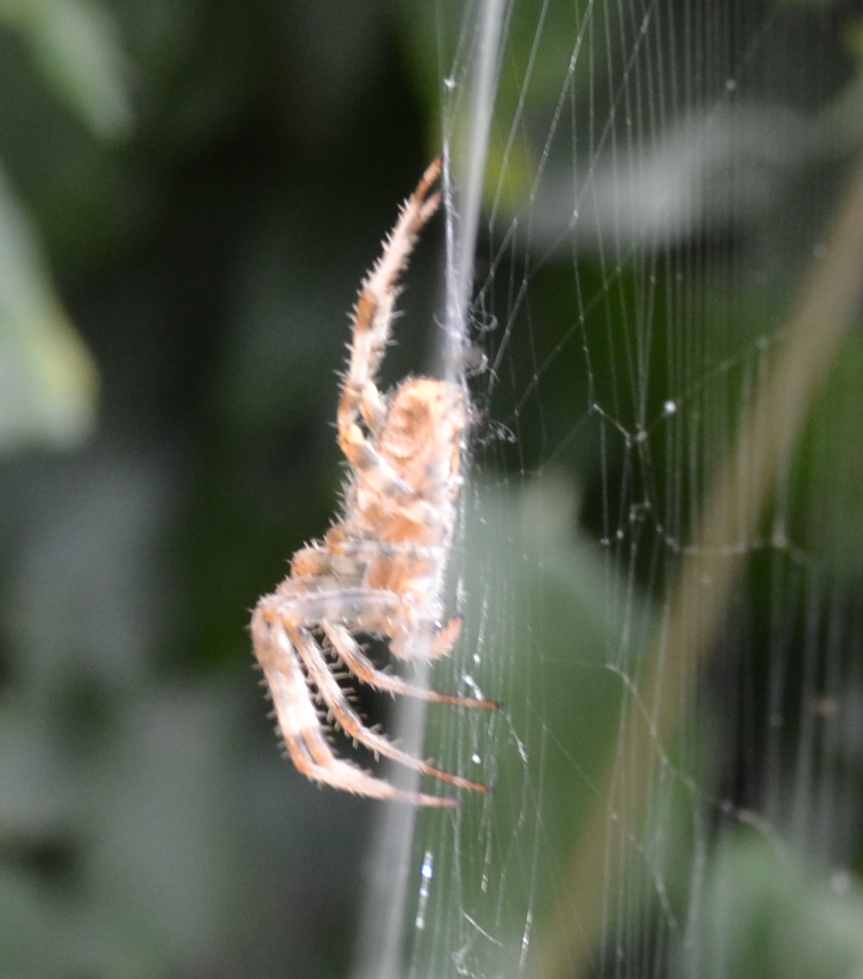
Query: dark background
207	253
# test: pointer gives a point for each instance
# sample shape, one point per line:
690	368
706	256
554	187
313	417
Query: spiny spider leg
364	670
365	609
301	729
348	720
425	641
368	609
372	318
344	559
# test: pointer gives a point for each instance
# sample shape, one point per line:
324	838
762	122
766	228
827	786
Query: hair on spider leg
330	722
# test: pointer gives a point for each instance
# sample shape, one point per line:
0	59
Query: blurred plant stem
768	432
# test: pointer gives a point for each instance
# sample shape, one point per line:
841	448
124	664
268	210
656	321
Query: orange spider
379	568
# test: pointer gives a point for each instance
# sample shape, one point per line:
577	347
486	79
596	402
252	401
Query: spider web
656	558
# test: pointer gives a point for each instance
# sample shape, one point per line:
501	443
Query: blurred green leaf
768	917
47	379
75	44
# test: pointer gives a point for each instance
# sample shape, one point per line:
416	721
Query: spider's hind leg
303	735
350	723
366	672
426	641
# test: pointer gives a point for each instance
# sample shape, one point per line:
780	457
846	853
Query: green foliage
47	379
769	916
74	44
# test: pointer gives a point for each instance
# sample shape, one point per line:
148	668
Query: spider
379	568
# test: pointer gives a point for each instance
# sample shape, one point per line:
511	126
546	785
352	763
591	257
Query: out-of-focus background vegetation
189	195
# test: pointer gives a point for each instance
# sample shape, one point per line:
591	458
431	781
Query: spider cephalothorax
379	569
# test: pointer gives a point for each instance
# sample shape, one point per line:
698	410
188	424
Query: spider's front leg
372	319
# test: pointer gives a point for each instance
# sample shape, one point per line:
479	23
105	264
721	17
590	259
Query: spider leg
318	566
425	640
372	318
364	670
340	561
446	638
368	609
349	721
366	549
301	730
311	561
